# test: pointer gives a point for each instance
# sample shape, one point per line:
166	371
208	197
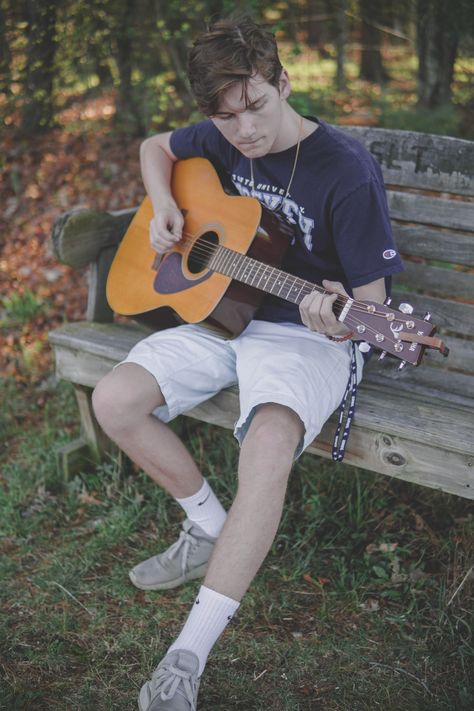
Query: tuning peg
406	308
388	301
382	355
402	365
364	347
427	316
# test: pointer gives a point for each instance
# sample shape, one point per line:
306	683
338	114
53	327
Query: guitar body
141	285
228	258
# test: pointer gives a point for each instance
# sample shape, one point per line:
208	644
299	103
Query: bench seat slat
82	361
416	461
423	382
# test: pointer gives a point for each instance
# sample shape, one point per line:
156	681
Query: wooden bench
417	424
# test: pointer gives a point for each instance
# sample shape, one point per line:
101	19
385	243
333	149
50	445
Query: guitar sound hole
202	251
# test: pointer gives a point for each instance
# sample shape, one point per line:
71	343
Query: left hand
317	313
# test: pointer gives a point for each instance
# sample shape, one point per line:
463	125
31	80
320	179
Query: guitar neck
263	277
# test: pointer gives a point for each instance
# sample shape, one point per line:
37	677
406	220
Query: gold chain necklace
252	181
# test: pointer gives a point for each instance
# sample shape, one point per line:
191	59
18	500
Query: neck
293	128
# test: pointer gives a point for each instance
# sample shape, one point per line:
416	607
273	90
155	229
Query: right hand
166	228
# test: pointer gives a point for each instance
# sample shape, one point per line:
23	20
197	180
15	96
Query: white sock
209	616
205	509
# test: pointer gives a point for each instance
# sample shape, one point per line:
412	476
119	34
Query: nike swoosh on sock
200	503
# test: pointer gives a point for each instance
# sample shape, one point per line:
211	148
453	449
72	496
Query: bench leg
92	447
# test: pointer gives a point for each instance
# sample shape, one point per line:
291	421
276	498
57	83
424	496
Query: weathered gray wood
80	235
110	341
73	458
420	160
82	359
90	429
461	357
444	245
437	280
98	308
372	448
91	446
437	211
450	316
424	381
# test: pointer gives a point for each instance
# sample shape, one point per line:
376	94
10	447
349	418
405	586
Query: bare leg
123	402
265	462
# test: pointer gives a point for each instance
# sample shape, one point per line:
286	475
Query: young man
292	365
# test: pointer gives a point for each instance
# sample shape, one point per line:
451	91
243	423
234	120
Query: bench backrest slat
419	160
430	192
410	207
443	245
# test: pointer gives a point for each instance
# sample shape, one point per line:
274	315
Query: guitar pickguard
171	280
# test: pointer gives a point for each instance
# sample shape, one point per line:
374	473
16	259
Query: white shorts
282	363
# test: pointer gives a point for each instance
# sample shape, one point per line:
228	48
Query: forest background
375	576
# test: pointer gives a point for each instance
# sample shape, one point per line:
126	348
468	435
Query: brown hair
231	51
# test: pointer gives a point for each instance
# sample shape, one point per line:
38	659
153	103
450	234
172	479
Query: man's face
253	123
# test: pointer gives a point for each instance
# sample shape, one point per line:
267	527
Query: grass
355	607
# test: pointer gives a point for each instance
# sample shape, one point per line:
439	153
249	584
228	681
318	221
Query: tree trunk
128	114
341	37
437	40
5	55
371	66
38	109
317	34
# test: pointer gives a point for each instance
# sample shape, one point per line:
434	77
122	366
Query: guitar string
343	300
368	329
352	315
307	287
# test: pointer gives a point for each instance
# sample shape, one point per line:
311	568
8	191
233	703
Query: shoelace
168	679
185	541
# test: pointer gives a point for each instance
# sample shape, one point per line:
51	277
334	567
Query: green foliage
136	52
22	307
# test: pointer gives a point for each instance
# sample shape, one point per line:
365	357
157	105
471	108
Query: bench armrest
88	237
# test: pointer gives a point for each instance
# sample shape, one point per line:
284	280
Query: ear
284	85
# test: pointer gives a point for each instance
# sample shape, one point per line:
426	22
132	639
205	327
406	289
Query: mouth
249	144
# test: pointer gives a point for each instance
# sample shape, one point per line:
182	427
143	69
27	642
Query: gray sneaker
174	684
185	560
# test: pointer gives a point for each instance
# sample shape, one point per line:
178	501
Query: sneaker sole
198	572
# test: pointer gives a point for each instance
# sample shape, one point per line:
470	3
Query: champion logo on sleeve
389	254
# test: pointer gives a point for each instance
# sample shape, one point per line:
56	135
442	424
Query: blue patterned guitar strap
346	411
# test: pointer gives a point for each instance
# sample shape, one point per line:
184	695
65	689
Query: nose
247	126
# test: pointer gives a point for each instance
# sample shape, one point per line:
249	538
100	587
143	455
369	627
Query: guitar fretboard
261	276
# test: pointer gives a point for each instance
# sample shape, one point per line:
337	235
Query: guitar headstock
392	331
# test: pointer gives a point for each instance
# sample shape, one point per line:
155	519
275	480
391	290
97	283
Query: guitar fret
256	273
229	263
290	287
297	300
262	276
217	258
282	286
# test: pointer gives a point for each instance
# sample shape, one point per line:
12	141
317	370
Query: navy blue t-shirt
337	205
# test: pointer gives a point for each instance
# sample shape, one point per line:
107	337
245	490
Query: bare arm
157	160
317	309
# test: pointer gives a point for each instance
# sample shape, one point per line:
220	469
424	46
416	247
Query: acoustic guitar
228	259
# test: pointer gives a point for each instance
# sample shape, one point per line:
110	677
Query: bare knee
276	427
125	395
